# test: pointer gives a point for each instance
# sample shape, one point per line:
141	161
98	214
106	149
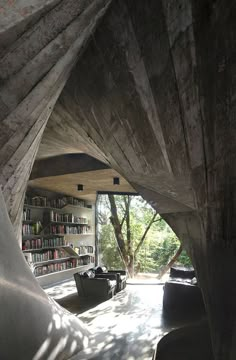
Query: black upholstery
182	272
121	278
98	288
182	295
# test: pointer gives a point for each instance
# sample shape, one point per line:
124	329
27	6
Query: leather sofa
120	275
121	278
97	288
182	295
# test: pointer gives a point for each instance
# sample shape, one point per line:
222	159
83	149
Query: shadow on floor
77	305
126	327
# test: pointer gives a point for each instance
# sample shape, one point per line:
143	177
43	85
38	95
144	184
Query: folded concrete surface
148	88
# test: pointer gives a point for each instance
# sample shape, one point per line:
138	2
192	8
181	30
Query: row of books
80	250
36	201
54	267
67	229
70	218
59	203
47	255
43	243
32	229
26	214
74	201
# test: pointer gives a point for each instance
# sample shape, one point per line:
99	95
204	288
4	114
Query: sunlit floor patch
61	290
126	327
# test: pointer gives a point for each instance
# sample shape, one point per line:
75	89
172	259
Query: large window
133	236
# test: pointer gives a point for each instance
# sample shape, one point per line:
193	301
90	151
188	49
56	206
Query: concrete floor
126	327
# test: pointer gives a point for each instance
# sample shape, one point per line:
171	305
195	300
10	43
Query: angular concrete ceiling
152	96
132	102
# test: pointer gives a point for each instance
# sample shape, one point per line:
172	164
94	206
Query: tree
128	246
147	248
108	248
171	262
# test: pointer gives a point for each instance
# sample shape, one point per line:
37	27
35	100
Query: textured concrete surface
148	88
33	71
40	43
126	327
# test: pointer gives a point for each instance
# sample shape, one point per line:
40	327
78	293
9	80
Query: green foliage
184	259
108	248
159	246
166	248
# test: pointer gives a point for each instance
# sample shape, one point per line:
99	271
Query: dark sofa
182	295
120	276
93	287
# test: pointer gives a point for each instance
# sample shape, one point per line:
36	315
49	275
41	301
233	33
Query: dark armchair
97	288
121	278
119	275
182	295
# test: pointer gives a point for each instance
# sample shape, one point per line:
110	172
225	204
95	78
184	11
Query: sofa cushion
112	283
182	298
100	269
182	272
107	276
89	274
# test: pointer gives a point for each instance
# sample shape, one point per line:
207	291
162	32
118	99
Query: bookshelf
58	241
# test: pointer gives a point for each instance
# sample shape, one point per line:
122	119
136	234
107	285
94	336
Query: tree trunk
130	266
170	263
145	233
125	247
117	227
